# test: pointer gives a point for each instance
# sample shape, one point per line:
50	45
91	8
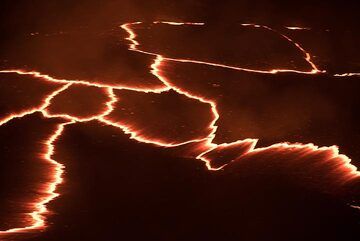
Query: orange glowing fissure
40	209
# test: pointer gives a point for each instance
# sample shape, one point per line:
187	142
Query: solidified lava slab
92	56
143	191
166	117
235	45
79	101
24	172
22	92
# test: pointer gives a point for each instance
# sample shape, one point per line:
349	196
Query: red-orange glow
40	209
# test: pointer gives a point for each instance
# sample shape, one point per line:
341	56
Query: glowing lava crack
247	147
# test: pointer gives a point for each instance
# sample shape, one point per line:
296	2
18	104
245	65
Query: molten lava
108	98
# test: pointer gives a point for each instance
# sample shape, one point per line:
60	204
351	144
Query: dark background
118	189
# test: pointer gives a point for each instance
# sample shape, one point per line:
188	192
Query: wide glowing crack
37	216
56	173
49	193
